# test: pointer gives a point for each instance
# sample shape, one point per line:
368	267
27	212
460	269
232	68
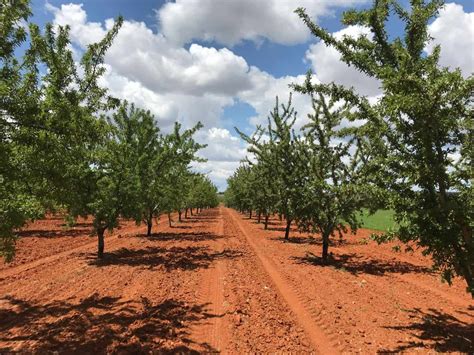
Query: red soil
219	282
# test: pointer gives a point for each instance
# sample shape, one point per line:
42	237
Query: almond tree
334	192
109	185
276	147
204	193
420	131
48	116
264	191
168	158
238	193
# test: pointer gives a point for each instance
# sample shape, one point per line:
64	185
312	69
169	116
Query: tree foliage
313	179
47	116
65	144
276	149
420	131
334	191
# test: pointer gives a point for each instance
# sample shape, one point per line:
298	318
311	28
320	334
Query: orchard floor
217	282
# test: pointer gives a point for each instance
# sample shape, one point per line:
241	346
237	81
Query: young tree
47	116
170	158
421	130
280	152
334	192
239	190
109	185
264	196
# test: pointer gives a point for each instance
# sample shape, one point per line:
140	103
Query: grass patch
381	220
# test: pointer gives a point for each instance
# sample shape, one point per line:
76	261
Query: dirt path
171	292
372	299
292	297
217	282
214	333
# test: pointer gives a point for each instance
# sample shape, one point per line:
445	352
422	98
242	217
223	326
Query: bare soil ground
217	282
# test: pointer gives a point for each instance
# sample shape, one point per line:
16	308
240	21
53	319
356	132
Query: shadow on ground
436	331
99	325
311	240
356	264
38	233
282	229
178	225
183	258
270	222
195	219
183	236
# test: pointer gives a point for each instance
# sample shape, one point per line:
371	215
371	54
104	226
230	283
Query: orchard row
409	150
66	145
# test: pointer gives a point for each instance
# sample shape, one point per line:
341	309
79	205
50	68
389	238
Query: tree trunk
179	216
149	224
468	274
325	247
191	210
100	244
465	269
266	221
287	230
169	220
250	215
259	216
280	217
186	213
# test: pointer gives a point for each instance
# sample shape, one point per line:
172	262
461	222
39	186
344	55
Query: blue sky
222	62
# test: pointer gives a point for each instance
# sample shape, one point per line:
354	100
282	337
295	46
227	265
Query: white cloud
265	90
229	22
162	67
222	146
327	65
155	62
454	31
173	82
167	107
185	85
224	152
81	31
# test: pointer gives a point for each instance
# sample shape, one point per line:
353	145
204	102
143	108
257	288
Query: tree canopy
420	130
65	144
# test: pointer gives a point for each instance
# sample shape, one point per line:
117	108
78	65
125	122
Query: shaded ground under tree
442	332
100	325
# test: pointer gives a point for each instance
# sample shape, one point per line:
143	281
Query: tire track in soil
423	285
212	334
389	293
262	321
306	316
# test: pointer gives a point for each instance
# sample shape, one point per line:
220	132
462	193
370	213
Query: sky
223	62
